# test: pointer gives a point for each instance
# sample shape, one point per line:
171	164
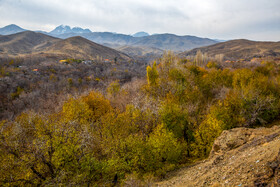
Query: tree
152	75
114	88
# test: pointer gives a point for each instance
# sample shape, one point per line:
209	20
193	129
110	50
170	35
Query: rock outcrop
239	157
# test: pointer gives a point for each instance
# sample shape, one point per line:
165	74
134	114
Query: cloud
206	18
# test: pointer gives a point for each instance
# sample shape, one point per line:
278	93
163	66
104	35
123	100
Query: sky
216	19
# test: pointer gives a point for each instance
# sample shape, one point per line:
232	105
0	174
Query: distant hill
160	41
144	54
139	51
174	42
65	29
24	42
104	37
239	49
140	34
43	32
82	48
141	39
28	42
11	29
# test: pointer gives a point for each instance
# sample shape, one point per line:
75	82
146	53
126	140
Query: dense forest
134	132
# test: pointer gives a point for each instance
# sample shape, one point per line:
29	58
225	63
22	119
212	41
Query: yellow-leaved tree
152	75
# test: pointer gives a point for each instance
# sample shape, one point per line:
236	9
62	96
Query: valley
83	108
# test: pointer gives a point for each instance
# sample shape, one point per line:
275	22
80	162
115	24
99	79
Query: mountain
81	48
140	34
141	39
11	29
80	30
65	29
159	41
43	32
174	42
25	43
139	51
219	40
103	37
142	54
239	49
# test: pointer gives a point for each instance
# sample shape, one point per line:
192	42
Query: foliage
92	141
17	92
152	75
113	88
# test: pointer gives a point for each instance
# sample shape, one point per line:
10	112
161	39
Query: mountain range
82	43
140	34
64	29
28	42
11	29
141	39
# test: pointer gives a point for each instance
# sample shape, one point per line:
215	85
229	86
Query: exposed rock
234	138
239	157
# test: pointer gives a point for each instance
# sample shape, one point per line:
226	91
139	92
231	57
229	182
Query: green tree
152	75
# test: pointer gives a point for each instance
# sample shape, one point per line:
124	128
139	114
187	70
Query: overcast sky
217	19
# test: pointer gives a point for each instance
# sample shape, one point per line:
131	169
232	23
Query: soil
239	157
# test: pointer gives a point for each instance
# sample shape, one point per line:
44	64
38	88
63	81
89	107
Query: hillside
140	34
63	29
239	49
82	48
24	43
103	37
140	53
11	29
141	39
174	42
160	41
239	157
114	124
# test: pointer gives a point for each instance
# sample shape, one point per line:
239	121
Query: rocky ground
239	157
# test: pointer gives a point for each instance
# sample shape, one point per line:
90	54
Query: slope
11	29
81	48
174	42
140	53
38	44
160	41
239	157
103	37
239	49
24	43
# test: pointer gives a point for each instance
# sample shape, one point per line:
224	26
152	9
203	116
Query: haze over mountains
29	42
140	34
160	41
82	43
66	29
11	29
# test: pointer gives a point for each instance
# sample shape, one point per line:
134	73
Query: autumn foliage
179	112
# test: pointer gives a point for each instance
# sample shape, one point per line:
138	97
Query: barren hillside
24	43
239	157
79	47
239	49
28	42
